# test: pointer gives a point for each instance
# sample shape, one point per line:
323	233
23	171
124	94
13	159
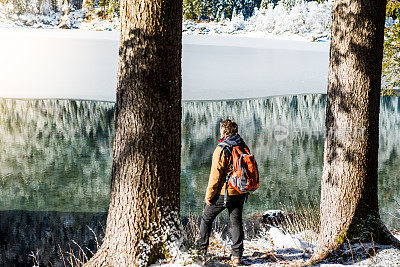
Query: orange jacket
220	167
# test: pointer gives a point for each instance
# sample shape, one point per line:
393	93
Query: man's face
221	132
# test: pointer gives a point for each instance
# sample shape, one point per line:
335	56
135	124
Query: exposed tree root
99	259
384	237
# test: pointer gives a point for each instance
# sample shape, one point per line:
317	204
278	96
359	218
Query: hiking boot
236	260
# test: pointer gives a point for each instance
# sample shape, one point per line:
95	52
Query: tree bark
349	190
143	219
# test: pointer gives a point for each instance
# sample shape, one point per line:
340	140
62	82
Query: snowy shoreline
306	21
274	245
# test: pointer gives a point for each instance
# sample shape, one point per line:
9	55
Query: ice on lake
76	64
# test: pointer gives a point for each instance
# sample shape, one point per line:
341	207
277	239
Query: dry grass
77	257
217	241
192	233
398	212
301	217
192	230
35	258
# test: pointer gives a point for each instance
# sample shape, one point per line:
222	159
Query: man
216	190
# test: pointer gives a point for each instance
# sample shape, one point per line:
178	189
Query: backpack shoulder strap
227	148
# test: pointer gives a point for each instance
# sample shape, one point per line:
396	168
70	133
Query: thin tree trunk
143	218
349	189
87	4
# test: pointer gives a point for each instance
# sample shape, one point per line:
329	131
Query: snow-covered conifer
45	7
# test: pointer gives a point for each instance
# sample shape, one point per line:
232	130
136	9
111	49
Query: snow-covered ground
275	248
43	63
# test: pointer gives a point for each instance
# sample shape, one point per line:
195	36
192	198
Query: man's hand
208	202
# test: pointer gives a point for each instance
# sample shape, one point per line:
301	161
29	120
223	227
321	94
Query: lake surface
77	64
56	156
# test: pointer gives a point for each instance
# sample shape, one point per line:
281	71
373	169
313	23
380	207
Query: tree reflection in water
55	162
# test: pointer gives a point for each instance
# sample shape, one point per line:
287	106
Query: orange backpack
244	177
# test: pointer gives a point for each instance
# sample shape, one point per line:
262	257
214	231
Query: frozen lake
74	64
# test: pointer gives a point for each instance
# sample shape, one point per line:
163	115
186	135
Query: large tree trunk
349	189
143	218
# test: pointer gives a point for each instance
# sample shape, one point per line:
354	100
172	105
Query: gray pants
235	209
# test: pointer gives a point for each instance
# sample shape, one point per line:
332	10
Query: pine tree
349	187
248	8
198	8
33	7
188	10
207	6
88	4
229	8
143	218
391	59
46	7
